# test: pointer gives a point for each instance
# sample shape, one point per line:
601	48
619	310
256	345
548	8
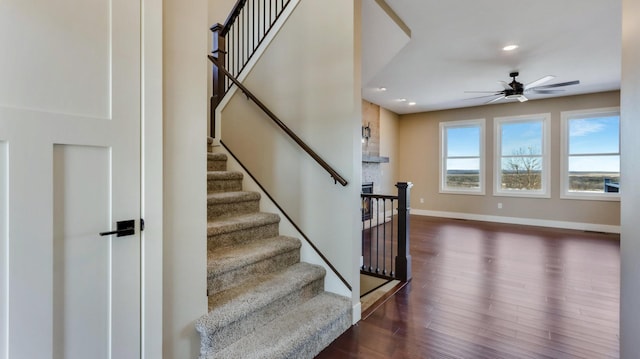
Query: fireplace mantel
374	159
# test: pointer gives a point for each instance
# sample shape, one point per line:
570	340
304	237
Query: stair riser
216	340
217	186
213	165
243	235
225	210
217	282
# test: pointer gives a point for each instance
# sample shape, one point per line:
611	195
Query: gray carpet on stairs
263	302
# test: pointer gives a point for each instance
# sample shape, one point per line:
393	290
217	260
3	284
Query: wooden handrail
336	177
232	16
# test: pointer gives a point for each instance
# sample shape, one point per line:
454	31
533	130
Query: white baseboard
522	221
356	313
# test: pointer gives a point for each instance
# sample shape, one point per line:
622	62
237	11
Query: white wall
630	203
186	34
152	181
309	77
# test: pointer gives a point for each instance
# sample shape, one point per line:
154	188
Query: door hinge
141	224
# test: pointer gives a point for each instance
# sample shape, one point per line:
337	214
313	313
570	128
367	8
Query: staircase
263	302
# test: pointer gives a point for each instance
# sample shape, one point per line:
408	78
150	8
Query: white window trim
443	145
564	150
545	192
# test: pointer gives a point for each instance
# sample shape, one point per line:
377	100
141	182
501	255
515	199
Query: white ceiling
456	46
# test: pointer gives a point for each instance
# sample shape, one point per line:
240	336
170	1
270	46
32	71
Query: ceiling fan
516	90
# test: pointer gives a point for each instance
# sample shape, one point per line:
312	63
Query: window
461	159
522	156
591	154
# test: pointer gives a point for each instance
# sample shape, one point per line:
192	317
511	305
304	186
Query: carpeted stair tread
222	260
238	311
216	156
224	175
222	205
234	265
224	181
245	221
232	197
237	302
301	333
216	161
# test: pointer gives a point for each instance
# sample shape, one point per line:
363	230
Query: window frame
545	191
565	117
480	191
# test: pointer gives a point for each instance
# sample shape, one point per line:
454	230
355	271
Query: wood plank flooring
485	290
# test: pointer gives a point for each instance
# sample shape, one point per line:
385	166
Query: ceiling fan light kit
516	90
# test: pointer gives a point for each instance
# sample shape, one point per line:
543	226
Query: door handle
123	228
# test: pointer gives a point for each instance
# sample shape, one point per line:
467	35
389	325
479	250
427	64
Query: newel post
218	52
403	259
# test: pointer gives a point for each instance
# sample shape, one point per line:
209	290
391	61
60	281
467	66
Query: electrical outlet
499	205
421	200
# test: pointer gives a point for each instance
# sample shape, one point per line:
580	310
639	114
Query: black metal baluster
377	235
255	26
230	50
370	219
243	48
392	232
384	236
270	14
363	267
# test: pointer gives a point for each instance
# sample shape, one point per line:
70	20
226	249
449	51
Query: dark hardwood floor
484	290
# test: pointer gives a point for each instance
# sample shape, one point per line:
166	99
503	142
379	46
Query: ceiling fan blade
494	92
473	98
495	99
569	83
546	91
506	85
538	82
521	98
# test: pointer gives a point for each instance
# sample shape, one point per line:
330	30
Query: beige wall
219	10
388	148
630	204
419	163
307	76
185	32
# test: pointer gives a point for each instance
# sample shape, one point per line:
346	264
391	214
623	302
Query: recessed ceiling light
402	99
382	89
510	47
411	104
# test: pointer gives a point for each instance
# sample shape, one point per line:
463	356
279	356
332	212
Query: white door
69	169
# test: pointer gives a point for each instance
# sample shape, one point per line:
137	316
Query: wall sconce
366	133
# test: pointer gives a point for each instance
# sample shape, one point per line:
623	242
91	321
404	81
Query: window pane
463	165
594	135
463	173
521	138
463	141
522	173
590	173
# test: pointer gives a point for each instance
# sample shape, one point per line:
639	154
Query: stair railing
385	235
235	42
336	177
